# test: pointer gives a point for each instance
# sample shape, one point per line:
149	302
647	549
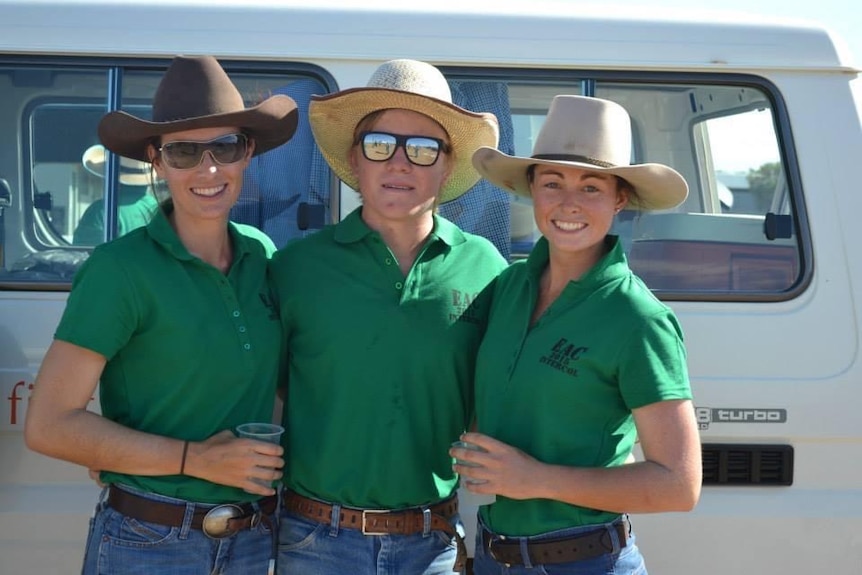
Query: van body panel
459	33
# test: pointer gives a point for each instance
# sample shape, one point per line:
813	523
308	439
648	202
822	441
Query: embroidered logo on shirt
465	308
562	356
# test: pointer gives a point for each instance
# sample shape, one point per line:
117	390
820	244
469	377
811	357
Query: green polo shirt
190	351
136	207
381	365
563	390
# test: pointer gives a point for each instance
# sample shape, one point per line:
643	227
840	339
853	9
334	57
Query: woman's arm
668	479
59	425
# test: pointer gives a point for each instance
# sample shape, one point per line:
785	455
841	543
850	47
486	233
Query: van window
737	235
56	204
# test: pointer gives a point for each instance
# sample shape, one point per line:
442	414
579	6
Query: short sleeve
103	310
653	363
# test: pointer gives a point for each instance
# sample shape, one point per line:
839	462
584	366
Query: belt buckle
492	541
216	523
365	514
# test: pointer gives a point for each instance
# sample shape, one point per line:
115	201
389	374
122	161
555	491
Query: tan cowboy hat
408	85
592	134
132	172
195	92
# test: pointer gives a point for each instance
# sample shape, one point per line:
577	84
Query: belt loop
280	496
615	537
103	498
525	552
615	540
102	503
426	522
335	520
188	517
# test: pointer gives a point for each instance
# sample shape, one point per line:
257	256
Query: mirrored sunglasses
420	150
183	155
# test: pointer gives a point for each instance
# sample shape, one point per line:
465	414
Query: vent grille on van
728	464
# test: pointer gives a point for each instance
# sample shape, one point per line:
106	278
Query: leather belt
383	521
216	521
587	545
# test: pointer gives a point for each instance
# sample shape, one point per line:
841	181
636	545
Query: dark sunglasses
182	155
420	150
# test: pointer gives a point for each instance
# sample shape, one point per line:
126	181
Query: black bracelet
183	463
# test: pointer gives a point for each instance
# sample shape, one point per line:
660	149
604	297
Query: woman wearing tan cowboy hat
382	326
578	361
175	321
136	205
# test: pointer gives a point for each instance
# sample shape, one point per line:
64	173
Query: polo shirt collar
447	232
353	229
612	266
161	232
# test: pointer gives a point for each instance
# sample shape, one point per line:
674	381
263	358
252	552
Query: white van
762	263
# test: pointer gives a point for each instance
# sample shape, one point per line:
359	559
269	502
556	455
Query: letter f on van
13	402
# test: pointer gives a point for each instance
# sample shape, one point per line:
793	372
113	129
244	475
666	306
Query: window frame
587	81
27	228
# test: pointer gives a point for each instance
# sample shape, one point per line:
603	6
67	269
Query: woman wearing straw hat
599	362
135	204
382	326
175	322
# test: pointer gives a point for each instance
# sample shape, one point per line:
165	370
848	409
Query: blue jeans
621	561
120	545
309	548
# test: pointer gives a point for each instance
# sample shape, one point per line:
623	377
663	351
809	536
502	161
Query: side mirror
5	194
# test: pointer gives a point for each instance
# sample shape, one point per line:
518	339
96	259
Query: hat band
574	158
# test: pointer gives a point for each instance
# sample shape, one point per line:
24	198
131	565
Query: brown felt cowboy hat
408	85
591	134
195	92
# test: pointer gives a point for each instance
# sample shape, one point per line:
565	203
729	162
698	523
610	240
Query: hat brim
334	117
136	174
271	123
656	186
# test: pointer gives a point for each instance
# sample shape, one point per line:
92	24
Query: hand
96	476
229	460
499	469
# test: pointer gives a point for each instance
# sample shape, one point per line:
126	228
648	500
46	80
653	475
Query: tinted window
55	203
736	237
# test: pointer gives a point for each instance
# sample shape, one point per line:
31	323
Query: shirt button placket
241	328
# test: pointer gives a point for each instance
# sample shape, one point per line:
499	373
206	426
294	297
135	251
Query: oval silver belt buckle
216	523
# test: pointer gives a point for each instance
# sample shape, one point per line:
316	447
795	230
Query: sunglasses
183	155
420	150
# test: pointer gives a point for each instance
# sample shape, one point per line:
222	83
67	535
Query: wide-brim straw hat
196	92
591	134
132	172
408	85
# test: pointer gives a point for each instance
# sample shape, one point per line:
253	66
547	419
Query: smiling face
209	190
395	191
574	209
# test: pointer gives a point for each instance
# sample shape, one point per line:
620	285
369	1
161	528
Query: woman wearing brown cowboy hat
175	323
598	362
382	326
